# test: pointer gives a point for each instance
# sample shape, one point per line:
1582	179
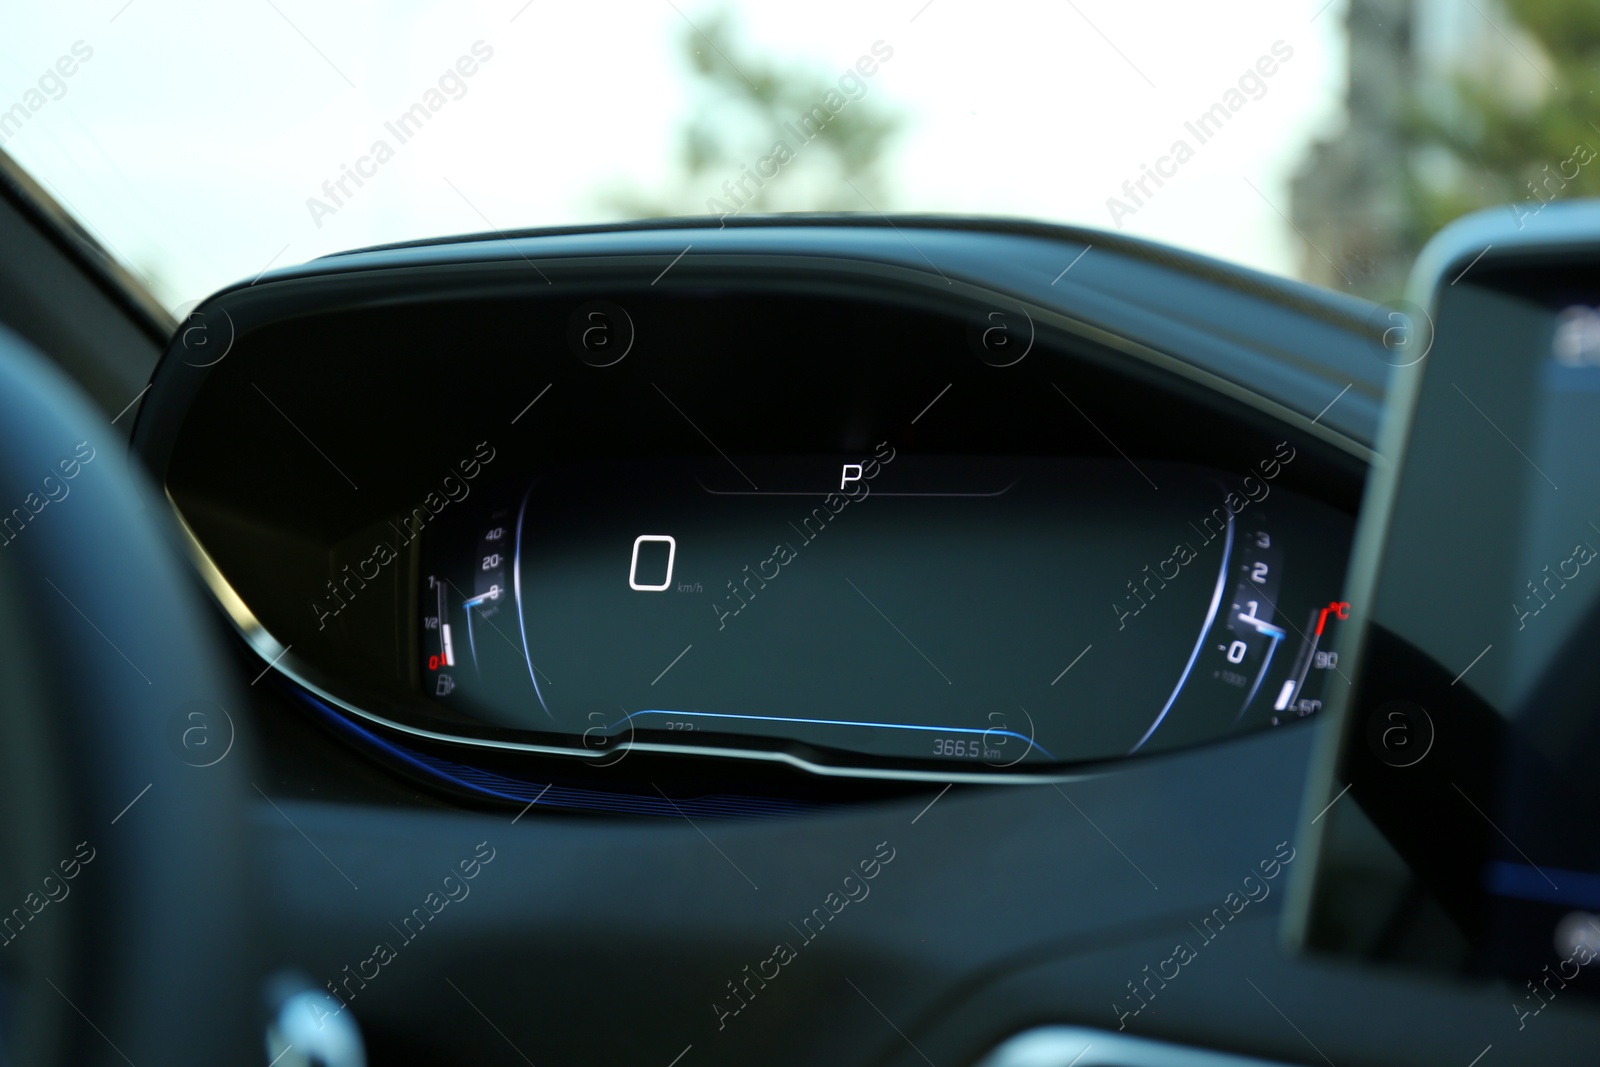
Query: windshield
202	144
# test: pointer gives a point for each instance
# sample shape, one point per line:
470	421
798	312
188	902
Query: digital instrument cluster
986	611
762	518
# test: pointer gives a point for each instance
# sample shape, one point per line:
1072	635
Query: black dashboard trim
1333	308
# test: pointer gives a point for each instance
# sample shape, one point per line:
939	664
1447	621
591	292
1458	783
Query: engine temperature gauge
1290	702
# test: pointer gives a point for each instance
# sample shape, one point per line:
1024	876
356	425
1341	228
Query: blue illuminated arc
1276	635
1199	642
516	588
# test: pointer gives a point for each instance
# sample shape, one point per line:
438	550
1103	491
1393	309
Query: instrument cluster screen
990	612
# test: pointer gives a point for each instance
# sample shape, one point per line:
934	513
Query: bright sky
193	136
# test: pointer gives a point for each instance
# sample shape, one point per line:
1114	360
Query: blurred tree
1507	118
762	136
1484	146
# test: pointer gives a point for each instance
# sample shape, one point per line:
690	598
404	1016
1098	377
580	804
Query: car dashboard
853	640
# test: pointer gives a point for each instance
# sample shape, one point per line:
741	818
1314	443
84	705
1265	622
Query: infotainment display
1469	740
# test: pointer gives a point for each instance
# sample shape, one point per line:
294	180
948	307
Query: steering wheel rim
123	770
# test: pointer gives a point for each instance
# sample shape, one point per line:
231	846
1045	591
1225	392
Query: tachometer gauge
1249	650
1255	636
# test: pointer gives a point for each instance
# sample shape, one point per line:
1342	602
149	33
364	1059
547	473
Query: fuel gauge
439	638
